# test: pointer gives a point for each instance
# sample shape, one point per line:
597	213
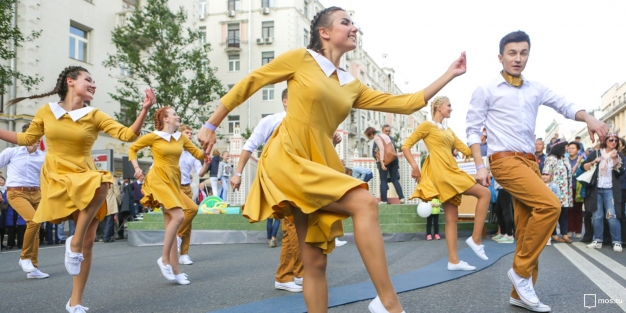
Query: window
306	37
267	57
202	8
203	35
267	29
268	93
233	62
78	43
233	122
267	3
234	5
127	113
306	9
233	35
125	70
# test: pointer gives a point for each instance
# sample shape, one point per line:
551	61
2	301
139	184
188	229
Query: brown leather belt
23	188
499	155
184	185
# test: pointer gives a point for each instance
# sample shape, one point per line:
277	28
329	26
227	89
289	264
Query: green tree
8	35
155	49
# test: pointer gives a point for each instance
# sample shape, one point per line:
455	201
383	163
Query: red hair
159	116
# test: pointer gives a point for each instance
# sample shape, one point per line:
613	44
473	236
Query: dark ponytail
320	20
60	88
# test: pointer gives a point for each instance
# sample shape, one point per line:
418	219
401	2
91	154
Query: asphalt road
127	279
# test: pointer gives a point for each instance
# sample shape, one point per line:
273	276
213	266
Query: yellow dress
69	177
299	165
162	185
441	176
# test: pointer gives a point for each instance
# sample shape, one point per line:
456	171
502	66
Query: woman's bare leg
80	280
452	218
315	286
173	218
84	218
482	206
363	208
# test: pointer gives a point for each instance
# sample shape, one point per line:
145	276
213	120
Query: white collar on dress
59	111
329	68
440	126
167	136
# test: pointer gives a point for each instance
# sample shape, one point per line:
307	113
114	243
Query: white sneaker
166	270
27	265
179	241
461	266
402	201
182	279
339	243
376	306
72	260
185	259
524	288
617	247
37	274
595	245
540	308
298	280
75	309
549	243
478	249
290	286
496	237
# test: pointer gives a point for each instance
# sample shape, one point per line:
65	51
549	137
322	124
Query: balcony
232	45
614	111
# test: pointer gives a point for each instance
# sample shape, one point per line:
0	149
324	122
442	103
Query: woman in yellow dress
71	185
443	179
162	185
299	171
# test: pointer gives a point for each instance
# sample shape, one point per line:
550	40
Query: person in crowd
511	158
622	181
321	96
547	179
385	171
433	220
136	207
558	165
541	157
124	214
113	198
161	188
214	167
71	185
580	145
394	166
483	143
443	179
606	189
188	164
575	213
364	174
23	168
4	206
224	172
504	212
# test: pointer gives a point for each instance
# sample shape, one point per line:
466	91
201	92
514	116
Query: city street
127	279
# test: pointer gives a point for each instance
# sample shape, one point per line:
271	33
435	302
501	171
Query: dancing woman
71	185
303	161
162	185
443	179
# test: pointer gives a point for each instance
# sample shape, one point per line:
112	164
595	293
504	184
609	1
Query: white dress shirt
23	168
510	113
188	163
263	131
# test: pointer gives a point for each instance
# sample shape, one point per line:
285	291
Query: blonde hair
184	127
437	101
216	152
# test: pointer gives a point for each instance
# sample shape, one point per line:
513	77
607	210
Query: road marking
611	264
612	288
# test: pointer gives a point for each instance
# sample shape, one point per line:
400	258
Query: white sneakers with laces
75	309
27	265
185	260
298	280
617	247
524	288
37	274
339	243
182	279
540	308
461	266
376	306
289	286
166	270
478	249
72	259
595	245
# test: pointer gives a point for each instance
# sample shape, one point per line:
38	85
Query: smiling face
171	118
188	133
83	87
445	108
611	143
514	57
341	33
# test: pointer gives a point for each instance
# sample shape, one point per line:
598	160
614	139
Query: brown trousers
290	260
190	211
25	203
536	211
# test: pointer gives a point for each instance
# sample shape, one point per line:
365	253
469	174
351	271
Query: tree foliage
155	49
10	34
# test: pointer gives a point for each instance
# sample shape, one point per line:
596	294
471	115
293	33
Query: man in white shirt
24	167
188	165
507	106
